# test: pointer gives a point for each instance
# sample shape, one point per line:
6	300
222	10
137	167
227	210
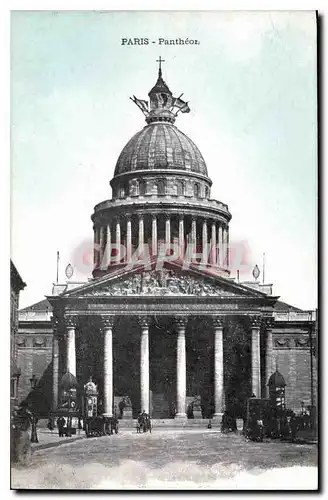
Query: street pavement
168	459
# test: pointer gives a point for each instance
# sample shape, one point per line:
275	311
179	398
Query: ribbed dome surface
160	146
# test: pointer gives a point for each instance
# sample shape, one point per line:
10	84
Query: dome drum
119	208
161	184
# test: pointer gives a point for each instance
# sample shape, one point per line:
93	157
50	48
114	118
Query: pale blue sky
251	84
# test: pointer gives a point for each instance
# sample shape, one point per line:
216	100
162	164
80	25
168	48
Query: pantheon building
162	321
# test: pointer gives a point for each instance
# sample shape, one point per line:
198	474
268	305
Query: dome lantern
162	105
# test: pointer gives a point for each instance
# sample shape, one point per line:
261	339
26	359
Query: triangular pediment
171	280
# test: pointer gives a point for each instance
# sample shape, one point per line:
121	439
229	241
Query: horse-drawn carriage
265	420
100	426
143	423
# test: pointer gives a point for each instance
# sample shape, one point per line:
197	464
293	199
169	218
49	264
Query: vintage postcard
164	318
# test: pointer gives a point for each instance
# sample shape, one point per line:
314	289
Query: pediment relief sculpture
160	283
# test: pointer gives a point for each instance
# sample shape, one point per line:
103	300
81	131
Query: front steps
172	422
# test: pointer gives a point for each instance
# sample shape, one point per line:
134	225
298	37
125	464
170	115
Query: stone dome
160	146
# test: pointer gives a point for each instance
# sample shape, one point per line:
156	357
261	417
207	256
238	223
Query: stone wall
292	354
34	357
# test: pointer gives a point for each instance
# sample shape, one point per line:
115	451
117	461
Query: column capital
107	321
218	321
181	321
255	322
55	322
154	216
128	216
144	321
269	323
70	321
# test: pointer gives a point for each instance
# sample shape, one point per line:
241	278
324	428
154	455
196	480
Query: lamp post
34	435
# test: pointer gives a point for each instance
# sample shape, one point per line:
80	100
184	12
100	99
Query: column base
107	415
181	416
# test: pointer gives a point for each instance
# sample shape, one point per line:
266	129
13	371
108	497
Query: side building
16	285
34	356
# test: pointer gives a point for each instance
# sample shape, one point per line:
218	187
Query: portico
126	326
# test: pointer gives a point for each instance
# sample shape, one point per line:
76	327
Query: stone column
128	240
224	248
256	357
181	367
218	368
55	371
181	238
107	328
70	323
144	364
101	244
141	235
154	236
193	237
118	241
220	245
108	252
268	354
167	233
204	243
213	244
227	247
96	247
55	362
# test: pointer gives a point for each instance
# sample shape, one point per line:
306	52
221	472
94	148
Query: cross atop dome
160	60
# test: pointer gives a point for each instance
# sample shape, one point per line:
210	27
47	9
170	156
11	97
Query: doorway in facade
162	371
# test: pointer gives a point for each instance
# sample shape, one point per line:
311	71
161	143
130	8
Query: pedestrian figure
61	425
293	426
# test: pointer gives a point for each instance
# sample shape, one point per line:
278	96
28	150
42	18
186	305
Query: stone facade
161	323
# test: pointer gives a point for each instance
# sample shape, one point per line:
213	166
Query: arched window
161	187
180	188
142	187
196	190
